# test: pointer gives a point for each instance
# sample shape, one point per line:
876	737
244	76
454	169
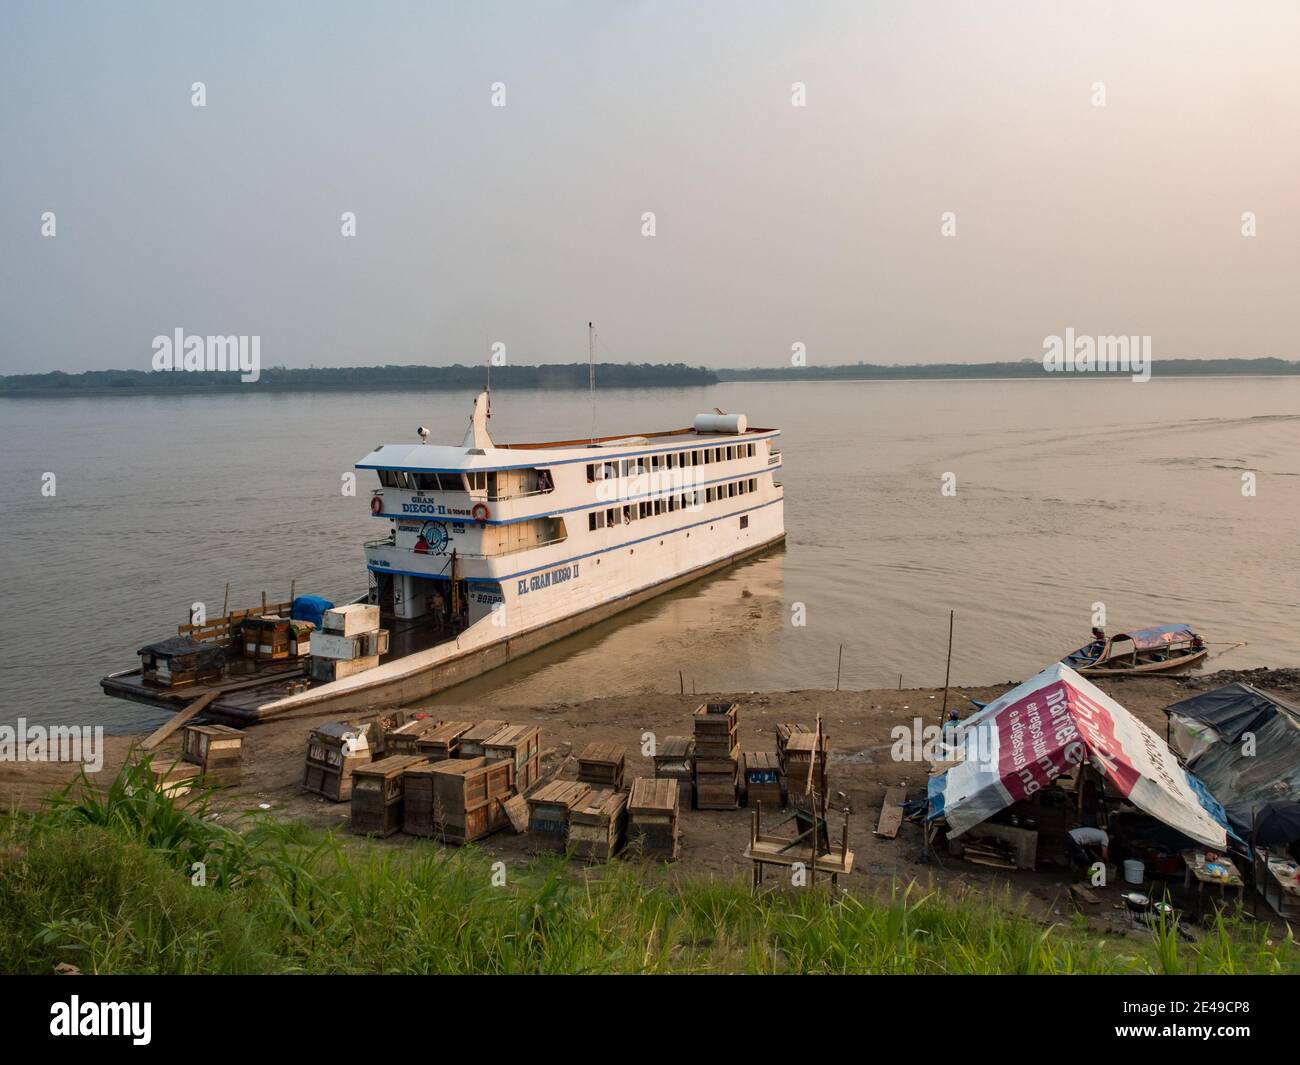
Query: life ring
376	505
480	513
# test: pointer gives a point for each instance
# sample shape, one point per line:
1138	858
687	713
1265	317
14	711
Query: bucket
1134	871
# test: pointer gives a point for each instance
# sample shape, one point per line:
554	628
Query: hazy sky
775	224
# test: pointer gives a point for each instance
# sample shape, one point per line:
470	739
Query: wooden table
1194	865
1278	880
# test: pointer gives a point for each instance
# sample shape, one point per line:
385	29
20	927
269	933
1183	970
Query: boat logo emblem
432	539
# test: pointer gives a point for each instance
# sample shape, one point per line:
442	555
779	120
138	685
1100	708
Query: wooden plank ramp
178	719
891	813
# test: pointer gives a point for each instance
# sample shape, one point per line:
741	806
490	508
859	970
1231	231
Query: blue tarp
310	608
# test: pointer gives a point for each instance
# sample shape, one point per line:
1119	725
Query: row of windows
672	460
649	508
423	482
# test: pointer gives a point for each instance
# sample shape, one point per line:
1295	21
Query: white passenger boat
494	550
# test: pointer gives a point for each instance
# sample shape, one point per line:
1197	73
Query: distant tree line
360	378
865	371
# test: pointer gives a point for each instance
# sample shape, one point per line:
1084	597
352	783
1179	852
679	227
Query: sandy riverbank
858	724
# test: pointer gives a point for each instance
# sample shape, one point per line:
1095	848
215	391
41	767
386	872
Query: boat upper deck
441	458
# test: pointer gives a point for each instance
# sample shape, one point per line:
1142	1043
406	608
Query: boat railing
774	458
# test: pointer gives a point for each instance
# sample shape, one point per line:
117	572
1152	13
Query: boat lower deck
250	684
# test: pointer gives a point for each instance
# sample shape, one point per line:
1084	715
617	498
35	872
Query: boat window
644	510
629	514
672	461
753	484
744	521
591	472
672	503
611	516
386	478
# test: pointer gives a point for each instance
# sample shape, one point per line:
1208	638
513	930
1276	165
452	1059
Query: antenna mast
591	376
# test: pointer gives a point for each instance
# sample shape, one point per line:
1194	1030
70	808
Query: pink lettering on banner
1038	741
1098	728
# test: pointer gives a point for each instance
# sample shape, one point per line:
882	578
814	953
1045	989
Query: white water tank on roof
721	423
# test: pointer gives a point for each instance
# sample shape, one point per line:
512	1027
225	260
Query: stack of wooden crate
804	749
442	742
717	756
471	742
402	739
350	641
597	825
548	811
652	811
334	751
674	759
521	746
377	792
601	765
457	800
762	779
783	734
218	750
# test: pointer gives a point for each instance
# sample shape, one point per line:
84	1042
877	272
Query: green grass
104	882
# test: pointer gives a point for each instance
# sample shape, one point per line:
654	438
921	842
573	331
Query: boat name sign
538	581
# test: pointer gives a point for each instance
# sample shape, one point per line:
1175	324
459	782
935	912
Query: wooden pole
838	667
681	682
947	673
225	603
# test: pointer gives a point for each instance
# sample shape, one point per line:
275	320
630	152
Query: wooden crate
457	800
799	754
597	826
267	638
601	765
548	811
377	792
761	779
674	759
401	740
173	778
443	741
471	743
217	749
652	814
521	745
330	764
181	661
783	734
715	782
715	729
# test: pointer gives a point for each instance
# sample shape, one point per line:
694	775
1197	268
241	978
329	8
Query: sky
774	224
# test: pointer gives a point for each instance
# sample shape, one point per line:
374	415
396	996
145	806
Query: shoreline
857	723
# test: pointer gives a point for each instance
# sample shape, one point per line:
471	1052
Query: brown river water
1067	493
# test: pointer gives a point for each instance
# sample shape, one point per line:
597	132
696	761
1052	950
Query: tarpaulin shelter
1244	746
1046	726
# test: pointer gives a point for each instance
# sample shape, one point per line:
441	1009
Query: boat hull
1172	665
447	673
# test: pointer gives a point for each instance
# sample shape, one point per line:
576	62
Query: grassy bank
105	883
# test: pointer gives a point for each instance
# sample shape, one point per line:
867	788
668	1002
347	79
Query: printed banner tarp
1041	730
